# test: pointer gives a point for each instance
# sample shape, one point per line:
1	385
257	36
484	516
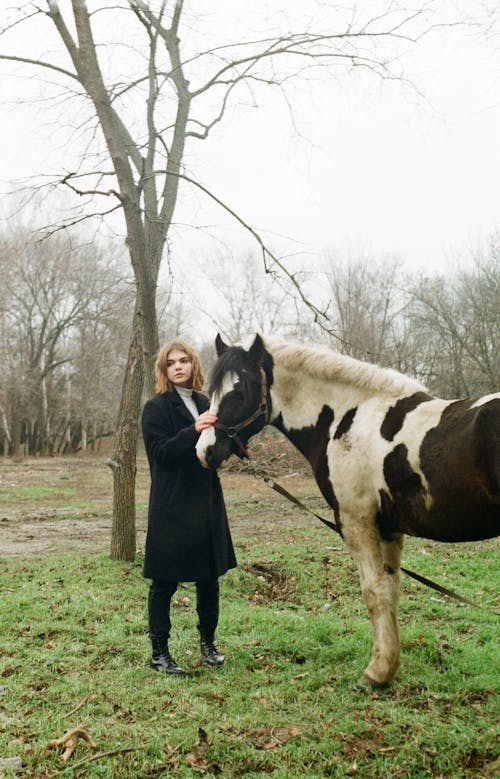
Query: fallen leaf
274	737
197	761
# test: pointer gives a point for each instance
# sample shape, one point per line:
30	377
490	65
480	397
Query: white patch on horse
356	469
356	460
300	405
207	437
228	384
416	425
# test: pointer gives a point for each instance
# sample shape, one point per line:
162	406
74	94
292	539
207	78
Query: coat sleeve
163	445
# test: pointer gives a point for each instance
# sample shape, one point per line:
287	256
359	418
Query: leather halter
262	410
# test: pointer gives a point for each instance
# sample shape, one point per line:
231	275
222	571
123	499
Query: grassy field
74	651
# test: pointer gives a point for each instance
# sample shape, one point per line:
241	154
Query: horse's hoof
367	681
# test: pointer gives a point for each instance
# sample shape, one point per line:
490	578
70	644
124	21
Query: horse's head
239	391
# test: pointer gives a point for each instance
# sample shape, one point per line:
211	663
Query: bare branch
39	63
218	118
320	317
82	192
294	45
20	21
51	230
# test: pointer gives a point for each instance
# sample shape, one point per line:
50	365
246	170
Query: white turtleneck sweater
186	394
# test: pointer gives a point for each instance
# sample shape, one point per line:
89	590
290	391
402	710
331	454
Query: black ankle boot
162	660
209	652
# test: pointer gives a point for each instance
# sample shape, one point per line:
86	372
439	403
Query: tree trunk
15	445
6	435
123	462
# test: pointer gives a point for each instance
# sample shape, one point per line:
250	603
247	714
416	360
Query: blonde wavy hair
162	383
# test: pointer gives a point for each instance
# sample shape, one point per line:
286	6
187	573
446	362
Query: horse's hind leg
378	564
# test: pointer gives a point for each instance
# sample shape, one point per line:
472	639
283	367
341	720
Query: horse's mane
323	363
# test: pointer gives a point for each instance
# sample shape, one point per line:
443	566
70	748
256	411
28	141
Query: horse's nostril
209	459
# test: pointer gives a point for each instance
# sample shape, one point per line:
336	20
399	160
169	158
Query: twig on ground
70	740
98	755
89	697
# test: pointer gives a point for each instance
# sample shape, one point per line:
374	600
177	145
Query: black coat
188	535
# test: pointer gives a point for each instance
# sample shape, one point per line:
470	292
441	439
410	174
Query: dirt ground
50	505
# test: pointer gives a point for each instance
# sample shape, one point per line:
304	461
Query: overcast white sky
370	167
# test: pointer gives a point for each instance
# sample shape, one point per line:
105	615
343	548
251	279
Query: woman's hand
205	420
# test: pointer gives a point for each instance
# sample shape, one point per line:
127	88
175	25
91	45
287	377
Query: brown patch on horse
312	441
395	417
460	459
401	507
345	423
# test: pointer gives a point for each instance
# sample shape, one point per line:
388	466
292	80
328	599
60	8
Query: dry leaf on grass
197	758
273	737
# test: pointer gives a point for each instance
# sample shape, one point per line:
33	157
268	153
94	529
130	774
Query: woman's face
179	368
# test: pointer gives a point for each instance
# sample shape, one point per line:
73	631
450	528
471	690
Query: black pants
207	606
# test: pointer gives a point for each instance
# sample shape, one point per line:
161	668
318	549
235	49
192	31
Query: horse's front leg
378	565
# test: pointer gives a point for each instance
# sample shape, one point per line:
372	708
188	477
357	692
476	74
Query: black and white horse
388	457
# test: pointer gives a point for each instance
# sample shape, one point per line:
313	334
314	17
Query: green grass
285	704
27	494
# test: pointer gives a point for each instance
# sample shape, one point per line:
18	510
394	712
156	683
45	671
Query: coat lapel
201	401
180	407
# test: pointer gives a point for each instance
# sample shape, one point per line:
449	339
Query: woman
188	535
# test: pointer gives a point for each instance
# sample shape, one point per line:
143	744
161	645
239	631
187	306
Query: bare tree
59	304
459	314
43	306
365	302
138	118
96	350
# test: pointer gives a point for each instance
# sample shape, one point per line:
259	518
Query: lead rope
260	473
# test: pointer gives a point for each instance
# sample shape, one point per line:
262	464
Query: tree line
66	319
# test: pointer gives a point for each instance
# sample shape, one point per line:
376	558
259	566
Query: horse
389	458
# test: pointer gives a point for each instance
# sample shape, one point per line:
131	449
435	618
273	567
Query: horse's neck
304	407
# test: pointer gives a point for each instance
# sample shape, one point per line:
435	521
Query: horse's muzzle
210	459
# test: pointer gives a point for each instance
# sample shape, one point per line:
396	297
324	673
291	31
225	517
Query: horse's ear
257	350
220	346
